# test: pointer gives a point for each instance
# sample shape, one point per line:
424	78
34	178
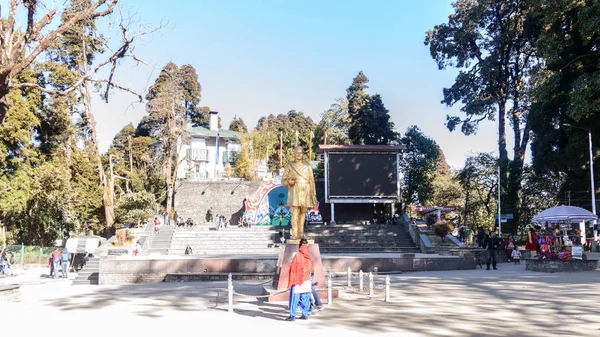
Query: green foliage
135	207
490	42
442	228
567	91
335	122
419	162
243	165
479	179
370	122
238	125
296	128
541	191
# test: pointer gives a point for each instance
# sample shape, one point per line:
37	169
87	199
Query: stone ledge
10	293
560	266
216	277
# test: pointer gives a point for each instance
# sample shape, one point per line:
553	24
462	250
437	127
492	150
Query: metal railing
197	155
196	176
329	283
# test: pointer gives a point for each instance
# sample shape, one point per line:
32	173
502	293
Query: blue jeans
55	264
303	299
315	295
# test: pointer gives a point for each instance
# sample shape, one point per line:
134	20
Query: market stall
562	231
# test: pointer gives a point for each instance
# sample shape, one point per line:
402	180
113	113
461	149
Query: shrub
442	228
123	236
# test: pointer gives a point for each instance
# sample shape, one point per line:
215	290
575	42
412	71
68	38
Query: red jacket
300	267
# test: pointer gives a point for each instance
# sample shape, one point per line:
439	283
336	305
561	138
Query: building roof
200	131
356	148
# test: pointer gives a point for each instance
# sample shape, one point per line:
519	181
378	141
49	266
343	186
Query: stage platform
155	268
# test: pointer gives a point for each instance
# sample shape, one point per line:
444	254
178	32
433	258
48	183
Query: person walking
65	258
492	244
55	261
299	281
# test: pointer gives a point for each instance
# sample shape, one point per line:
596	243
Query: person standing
299	281
492	244
531	243
509	244
3	262
480	236
516	255
166	219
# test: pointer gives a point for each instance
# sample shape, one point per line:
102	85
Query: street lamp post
589	131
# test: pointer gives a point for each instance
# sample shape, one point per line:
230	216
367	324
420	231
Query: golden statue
298	177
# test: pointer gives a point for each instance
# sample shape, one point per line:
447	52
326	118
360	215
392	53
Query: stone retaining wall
10	293
150	270
143	269
558	266
194	198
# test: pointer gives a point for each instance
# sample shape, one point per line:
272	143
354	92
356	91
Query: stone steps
265	239
89	273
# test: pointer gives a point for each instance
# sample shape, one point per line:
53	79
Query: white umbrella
565	213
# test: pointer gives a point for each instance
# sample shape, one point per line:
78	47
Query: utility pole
499	213
281	149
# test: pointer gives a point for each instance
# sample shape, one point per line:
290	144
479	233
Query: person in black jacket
492	244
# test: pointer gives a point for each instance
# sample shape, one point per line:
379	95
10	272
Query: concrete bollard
349	277
360	280
370	284
230	290
387	288
329	290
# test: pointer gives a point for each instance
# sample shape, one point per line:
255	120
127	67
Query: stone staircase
160	243
89	273
348	238
341	238
205	240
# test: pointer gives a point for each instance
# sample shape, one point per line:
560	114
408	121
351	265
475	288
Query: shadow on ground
467	303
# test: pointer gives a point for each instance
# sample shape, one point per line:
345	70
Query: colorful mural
266	207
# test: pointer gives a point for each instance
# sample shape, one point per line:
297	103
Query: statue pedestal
280	280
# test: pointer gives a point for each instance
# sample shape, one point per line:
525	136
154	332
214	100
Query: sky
255	58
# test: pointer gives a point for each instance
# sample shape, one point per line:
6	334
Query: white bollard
387	288
360	281
230	289
349	277
329	290
370	284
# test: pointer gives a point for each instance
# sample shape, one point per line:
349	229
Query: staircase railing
418	238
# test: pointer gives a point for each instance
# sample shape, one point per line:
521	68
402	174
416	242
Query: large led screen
363	175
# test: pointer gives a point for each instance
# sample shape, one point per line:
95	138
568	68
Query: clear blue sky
254	58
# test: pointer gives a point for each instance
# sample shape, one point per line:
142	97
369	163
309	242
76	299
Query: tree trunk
3	103
502	152
107	187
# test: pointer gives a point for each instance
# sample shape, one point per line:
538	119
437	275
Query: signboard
434	208
577	252
505	216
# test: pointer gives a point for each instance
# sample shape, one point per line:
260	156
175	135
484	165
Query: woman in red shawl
299	281
531	240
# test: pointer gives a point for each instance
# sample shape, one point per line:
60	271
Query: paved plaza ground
505	302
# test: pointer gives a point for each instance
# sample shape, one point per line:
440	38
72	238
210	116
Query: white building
201	159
